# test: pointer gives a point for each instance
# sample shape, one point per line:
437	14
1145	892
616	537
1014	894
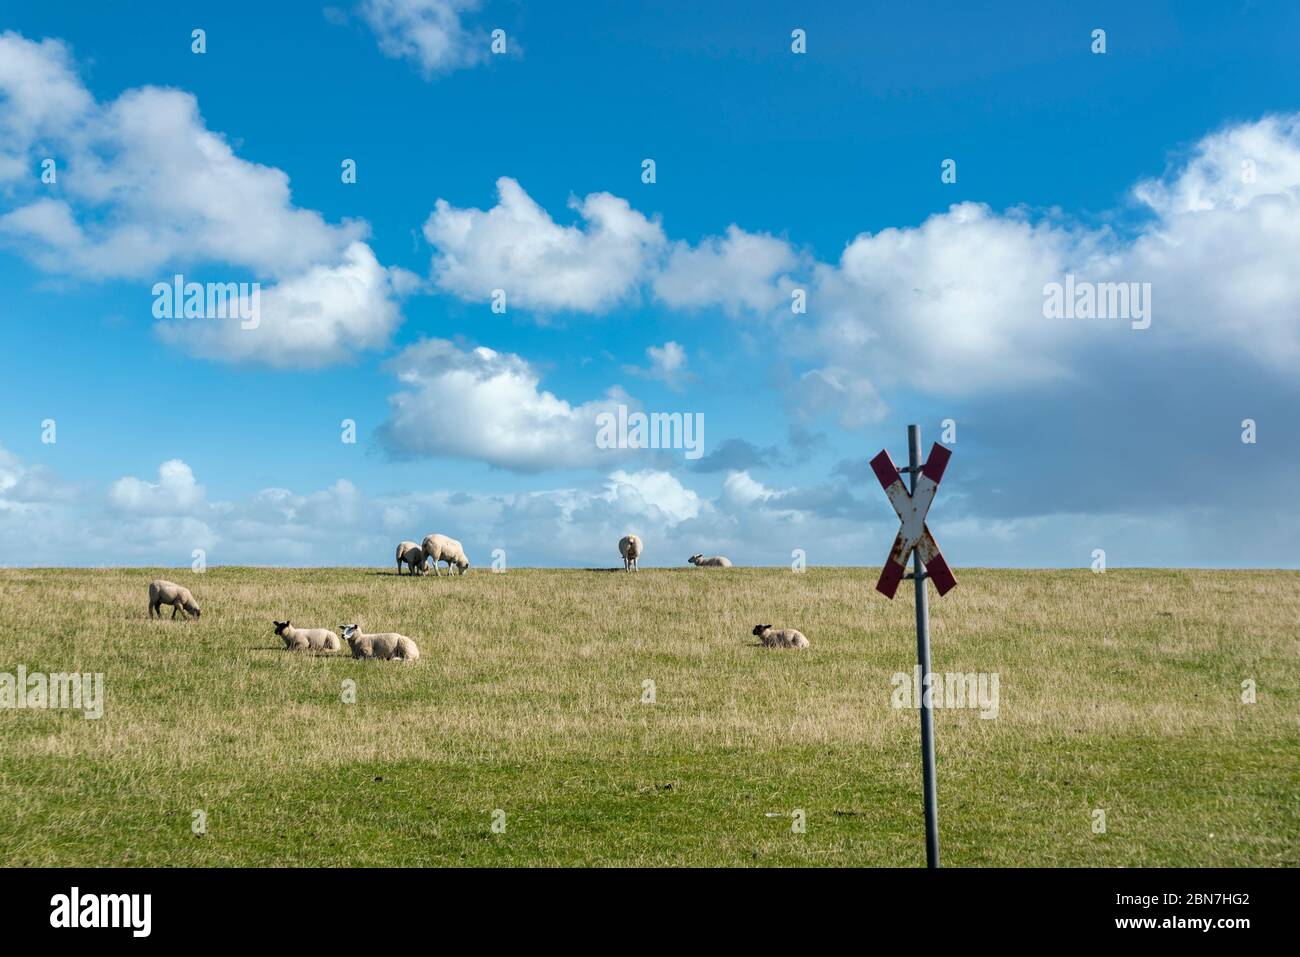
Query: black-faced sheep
169	593
307	639
386	645
714	561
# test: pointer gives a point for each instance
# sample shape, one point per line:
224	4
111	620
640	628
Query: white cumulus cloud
668	364
428	32
485	405
147	189
737	272
176	491
541	265
954	306
651	493
323	316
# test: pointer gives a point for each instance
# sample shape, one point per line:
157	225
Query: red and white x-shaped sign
912	508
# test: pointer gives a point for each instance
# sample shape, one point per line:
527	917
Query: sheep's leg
399	566
175	609
153	610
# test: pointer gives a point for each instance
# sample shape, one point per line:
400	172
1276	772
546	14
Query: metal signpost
914	538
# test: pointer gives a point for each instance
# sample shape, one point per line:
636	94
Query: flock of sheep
391	646
388	645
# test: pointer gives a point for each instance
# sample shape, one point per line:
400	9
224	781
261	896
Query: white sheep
413	556
780	637
169	593
440	548
386	645
629	546
304	639
715	561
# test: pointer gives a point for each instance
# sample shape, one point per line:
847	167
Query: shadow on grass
404	575
281	649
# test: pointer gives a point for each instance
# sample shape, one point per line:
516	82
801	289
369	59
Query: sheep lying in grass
780	637
169	593
386	645
440	548
629	546
715	561
304	639
412	555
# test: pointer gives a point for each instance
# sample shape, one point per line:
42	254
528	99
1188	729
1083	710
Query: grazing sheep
413	556
629	546
303	639
716	561
169	593
440	548
780	637
386	645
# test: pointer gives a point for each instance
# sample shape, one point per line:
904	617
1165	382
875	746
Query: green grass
1119	691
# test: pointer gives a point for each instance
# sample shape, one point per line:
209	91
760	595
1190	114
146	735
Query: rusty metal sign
911	508
914	539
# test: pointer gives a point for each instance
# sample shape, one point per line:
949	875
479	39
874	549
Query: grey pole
923	659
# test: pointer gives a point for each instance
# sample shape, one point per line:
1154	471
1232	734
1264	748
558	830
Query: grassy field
1119	692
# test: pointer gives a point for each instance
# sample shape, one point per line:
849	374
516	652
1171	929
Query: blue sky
775	172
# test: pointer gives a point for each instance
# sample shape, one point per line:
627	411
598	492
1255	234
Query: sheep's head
193	609
694	559
280	626
463	565
759	629
349	633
